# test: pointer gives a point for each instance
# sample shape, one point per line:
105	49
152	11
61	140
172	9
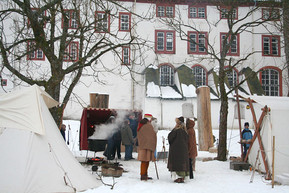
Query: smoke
105	131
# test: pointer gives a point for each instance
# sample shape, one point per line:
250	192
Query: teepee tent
274	123
34	156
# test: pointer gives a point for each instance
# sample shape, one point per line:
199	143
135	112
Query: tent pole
273	162
239	119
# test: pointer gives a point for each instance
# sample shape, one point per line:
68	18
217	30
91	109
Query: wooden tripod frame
257	124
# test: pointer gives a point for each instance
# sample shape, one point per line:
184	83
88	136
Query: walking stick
156	170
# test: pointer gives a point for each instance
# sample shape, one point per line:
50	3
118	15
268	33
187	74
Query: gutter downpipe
133	57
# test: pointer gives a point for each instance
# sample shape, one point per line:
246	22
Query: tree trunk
222	147
56	112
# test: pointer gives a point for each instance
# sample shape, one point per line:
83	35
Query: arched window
166	75
271	81
200	75
232	77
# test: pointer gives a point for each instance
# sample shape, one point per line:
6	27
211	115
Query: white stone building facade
151	77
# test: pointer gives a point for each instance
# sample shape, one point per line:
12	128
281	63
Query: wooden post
240	126
204	118
98	100
273	162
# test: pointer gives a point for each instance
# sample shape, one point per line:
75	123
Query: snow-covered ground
210	176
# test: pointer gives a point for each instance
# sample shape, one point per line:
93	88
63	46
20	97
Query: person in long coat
147	141
178	162
193	153
127	140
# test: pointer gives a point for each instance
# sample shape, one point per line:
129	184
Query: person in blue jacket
246	138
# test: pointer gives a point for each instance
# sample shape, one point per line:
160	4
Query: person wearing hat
246	138
192	145
147	142
178	161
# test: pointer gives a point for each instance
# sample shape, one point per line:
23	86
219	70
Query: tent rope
231	135
61	167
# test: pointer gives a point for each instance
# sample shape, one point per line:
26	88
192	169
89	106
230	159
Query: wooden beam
257	135
239	119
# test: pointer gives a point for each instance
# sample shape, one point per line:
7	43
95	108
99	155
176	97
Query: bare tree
71	35
236	25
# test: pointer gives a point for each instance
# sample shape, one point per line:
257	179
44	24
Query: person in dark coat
116	137
178	162
192	146
127	140
110	142
62	131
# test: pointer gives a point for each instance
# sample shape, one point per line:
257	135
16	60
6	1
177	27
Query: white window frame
33	52
166	75
200	76
270	84
102	21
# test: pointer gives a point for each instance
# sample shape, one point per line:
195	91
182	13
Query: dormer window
166	75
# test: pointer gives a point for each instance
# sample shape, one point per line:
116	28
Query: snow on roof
153	90
153	66
189	90
166	92
169	93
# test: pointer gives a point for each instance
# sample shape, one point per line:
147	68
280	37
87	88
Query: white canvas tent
275	123
34	156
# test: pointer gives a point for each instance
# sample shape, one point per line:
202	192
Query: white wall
119	85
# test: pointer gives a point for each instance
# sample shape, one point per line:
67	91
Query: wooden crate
113	171
239	165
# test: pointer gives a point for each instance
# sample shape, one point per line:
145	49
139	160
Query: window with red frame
197	43
200	75
102	23
40	17
271	45
226	12
197	12
71	52
165	42
232	42
165	11
270	80
124	21
3	82
270	14
125	55
73	19
34	53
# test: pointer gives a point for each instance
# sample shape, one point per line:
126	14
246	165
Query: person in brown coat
147	142
178	162
193	153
